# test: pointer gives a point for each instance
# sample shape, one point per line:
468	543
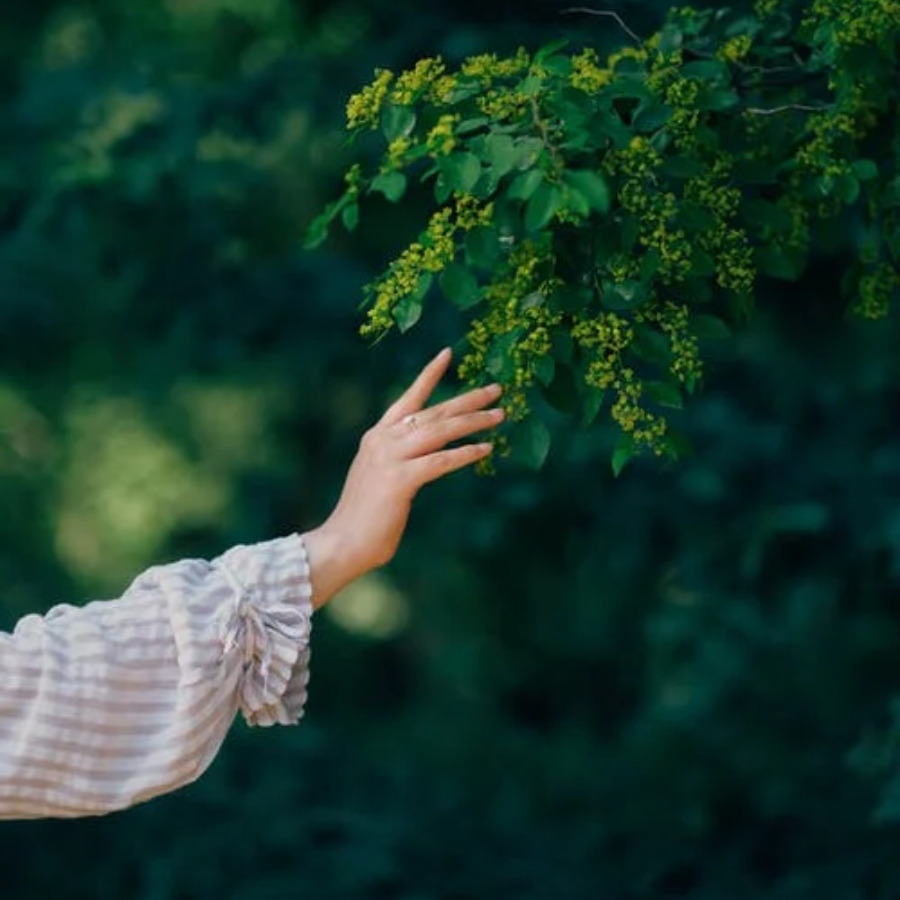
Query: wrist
331	563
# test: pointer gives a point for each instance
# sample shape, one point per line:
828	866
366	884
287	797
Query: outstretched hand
404	450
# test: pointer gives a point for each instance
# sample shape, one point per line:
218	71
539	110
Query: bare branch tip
589	11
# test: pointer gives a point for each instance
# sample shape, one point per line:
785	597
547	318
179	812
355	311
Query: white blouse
115	702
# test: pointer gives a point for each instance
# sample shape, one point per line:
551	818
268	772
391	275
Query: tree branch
800	107
587	11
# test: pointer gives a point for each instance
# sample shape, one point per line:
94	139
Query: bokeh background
677	684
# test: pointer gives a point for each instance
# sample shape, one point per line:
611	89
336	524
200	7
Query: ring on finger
411	422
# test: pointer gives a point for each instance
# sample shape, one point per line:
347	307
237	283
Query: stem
800	107
585	10
541	126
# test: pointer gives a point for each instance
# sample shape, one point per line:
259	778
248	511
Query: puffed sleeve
107	705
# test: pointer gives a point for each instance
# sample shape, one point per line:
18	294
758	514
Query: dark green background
674	685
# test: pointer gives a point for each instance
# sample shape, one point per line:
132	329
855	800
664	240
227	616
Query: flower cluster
441	139
430	254
673	320
859	24
728	245
735	49
516	306
397	152
647	429
364	108
606	338
472	212
587	75
879	286
657	212
422	78
503	105
488	67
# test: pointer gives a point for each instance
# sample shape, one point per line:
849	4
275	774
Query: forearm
108	705
332	563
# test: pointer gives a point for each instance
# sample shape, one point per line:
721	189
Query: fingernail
494	390
497	414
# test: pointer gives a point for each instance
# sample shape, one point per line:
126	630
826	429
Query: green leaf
407	312
718	100
544	369
499	361
650	264
350	216
593	401
702	264
531	85
460	171
542	206
524	185
651	115
676	445
706	70
530	443
624	451
780	263
551	48
483	247
629	231
528	151
682	166
710	328
392	184
846	188
500	153
865	169
317	231
651	345
460	286
695	218
397	121
562	392
670	38
764	213
755	171
592	186
664	393
620	296
467	126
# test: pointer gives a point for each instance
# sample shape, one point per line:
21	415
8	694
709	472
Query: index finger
417	394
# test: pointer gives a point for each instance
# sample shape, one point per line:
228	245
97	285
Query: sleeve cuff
271	625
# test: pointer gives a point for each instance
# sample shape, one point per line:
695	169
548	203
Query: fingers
464	403
436	465
427	436
416	396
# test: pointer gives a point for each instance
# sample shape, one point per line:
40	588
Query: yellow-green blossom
421	78
364	108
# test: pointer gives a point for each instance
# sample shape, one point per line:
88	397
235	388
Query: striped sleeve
107	705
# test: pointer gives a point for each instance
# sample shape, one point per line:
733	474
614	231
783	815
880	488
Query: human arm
107	705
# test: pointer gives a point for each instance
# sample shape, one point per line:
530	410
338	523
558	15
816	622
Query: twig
586	10
541	126
801	107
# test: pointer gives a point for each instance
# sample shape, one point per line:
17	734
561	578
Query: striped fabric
113	703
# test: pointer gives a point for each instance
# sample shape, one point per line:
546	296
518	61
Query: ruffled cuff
271	626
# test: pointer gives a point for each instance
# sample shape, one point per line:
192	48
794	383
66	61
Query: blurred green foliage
674	685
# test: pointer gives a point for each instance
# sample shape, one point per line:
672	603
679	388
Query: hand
406	449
